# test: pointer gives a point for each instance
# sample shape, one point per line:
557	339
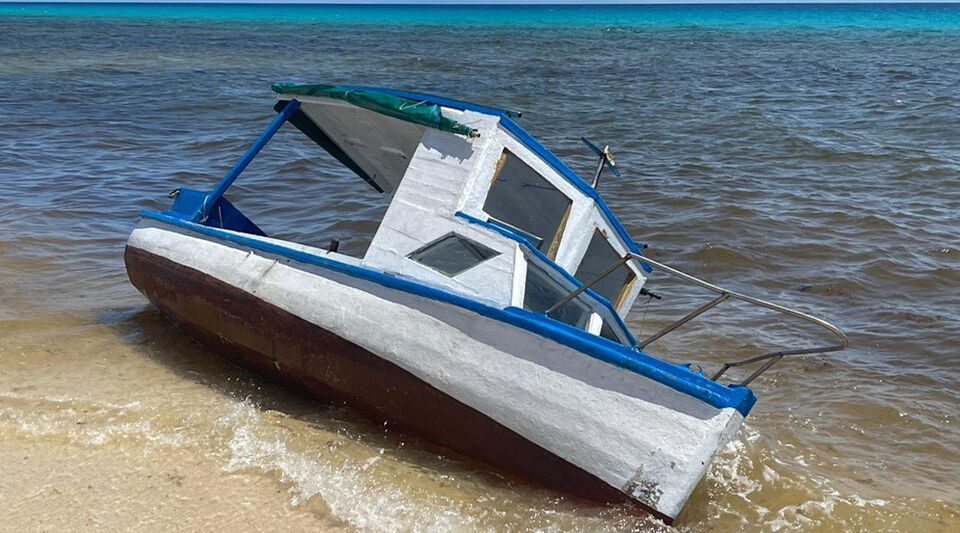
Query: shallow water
815	165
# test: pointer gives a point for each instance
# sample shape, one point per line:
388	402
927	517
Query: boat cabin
477	207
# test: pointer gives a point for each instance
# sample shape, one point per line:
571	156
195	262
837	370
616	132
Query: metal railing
770	358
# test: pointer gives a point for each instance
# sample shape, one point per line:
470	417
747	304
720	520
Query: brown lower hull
288	349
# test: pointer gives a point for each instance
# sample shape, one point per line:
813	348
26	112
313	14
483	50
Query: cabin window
600	256
452	254
541	292
521	198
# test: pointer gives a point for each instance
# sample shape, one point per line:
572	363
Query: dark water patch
910	316
844	288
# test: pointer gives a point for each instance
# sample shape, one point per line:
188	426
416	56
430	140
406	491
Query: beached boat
486	314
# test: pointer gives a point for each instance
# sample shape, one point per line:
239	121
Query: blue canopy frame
213	199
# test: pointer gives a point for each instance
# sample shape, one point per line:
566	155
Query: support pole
576	292
596	175
690	316
211	199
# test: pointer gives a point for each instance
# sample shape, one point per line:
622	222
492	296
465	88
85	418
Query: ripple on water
819	168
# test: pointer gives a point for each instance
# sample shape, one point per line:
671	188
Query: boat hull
461	381
301	354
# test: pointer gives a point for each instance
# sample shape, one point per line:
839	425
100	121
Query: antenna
606	159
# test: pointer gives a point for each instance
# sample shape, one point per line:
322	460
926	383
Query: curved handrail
771	357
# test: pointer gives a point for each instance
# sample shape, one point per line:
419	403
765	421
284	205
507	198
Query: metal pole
749	299
231	176
596	176
690	316
576	292
773	357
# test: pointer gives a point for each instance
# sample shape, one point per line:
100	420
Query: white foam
345	486
355	491
753	473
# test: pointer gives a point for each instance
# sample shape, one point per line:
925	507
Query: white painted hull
637	435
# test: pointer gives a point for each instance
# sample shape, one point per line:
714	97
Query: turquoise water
912	16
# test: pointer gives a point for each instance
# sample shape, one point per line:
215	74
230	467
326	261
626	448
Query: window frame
555	240
445	236
526	256
631	277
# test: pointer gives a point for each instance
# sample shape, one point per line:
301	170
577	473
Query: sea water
809	154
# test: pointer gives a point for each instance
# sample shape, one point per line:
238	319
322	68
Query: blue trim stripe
502	230
549	262
532	239
677	377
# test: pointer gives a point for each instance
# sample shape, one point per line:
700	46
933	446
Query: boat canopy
373	133
417	111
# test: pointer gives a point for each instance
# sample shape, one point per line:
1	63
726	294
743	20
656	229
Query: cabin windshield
522	199
541	291
545	286
600	255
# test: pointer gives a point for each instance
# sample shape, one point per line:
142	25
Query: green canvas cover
418	112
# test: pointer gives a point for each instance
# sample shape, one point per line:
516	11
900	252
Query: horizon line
489	2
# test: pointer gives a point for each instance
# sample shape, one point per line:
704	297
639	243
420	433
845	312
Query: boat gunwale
676	376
